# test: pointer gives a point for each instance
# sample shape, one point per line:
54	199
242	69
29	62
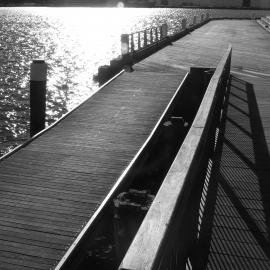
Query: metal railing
142	39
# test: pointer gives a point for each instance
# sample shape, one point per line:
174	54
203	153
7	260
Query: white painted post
184	23
38	79
124	44
164	30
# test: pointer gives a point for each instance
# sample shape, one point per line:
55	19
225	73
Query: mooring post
184	24
124	44
38	78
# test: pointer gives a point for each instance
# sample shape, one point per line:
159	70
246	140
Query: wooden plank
88	150
146	246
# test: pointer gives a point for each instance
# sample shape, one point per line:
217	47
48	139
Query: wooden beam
148	244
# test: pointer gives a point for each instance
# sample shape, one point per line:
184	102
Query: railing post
124	44
145	38
38	78
160	32
194	20
202	17
151	36
184	24
156	34
132	43
164	30
139	40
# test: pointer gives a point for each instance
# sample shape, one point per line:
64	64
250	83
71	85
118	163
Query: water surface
74	42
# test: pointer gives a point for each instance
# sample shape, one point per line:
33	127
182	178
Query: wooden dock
223	222
53	186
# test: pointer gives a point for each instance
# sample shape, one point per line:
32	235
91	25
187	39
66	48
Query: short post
145	38
207	16
164	30
38	78
184	24
194	20
124	44
151	36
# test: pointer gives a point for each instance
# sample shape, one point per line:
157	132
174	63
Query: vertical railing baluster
156	33
139	40
132	43
124	44
160	32
151	36
145	38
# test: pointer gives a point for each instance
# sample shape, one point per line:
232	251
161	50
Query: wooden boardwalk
52	187
236	223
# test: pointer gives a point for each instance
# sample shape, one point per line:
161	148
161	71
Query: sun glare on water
120	5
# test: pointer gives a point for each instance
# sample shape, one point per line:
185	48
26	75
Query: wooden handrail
150	244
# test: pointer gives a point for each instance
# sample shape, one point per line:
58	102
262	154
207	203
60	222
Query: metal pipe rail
169	232
142	39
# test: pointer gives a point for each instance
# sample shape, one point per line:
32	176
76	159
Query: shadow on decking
235	218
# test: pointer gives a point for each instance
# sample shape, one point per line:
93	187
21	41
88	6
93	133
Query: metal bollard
38	78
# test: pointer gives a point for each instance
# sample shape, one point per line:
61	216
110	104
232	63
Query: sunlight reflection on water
74	42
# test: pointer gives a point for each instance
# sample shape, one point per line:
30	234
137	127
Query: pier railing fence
168	236
142	39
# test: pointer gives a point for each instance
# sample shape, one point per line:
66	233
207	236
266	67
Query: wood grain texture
67	172
235	229
144	251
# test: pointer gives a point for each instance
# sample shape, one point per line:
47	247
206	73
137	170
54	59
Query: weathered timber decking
235	228
51	188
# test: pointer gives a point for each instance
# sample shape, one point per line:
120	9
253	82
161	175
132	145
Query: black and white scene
134	134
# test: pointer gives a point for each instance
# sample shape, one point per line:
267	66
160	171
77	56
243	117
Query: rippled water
74	42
